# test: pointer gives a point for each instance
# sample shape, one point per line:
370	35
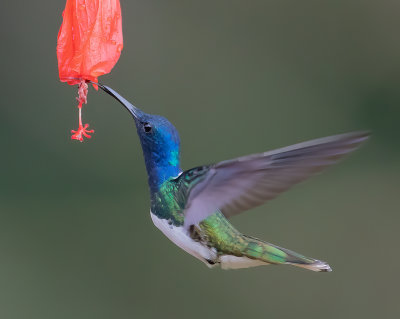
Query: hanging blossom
89	44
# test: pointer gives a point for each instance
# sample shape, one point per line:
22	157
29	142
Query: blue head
160	142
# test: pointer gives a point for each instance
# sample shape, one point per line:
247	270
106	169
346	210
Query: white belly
180	237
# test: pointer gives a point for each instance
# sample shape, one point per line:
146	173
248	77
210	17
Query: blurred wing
237	185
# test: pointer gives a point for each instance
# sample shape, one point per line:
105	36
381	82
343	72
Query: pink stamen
82	99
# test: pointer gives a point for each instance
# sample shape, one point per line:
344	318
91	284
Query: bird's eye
147	127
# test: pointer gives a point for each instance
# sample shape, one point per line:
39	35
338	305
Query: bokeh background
235	77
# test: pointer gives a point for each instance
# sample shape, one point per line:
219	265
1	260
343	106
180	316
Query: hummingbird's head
159	139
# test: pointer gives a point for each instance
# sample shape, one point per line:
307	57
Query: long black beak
136	113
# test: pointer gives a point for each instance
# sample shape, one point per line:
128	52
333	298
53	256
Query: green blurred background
235	77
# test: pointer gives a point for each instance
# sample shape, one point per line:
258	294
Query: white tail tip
318	265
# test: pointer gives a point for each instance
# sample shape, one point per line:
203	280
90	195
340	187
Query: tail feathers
298	260
317	265
271	254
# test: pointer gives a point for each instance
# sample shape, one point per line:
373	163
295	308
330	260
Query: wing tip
359	136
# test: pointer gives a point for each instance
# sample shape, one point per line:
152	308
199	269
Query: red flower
89	44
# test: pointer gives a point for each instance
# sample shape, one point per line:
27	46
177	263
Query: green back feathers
170	200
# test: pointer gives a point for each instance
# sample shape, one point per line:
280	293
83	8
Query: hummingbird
192	207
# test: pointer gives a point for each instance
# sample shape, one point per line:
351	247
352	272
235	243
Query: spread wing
240	184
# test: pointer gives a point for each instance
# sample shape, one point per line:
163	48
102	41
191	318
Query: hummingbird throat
162	167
